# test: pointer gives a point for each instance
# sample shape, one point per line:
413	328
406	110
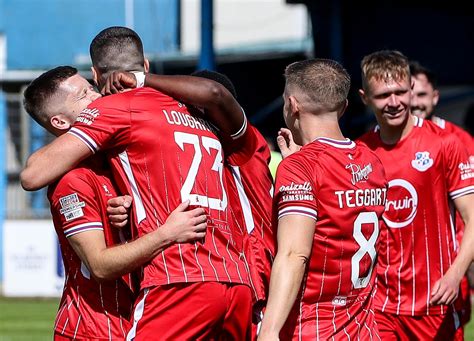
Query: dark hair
324	81
417	69
117	48
217	77
40	91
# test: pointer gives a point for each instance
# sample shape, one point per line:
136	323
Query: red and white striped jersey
462	135
418	245
88	309
161	156
442	127
341	186
250	180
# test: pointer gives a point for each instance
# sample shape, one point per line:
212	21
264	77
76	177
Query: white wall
30	259
244	22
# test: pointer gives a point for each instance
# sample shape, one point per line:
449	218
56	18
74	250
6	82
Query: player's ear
363	96
294	105
146	65
95	76
435	97
58	122
343	109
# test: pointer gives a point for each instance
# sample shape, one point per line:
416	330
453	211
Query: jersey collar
343	144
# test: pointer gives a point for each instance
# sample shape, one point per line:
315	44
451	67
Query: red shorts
402	327
193	311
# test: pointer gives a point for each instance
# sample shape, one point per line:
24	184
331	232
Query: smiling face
72	96
423	96
76	93
389	99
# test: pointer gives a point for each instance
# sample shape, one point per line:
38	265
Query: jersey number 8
367	246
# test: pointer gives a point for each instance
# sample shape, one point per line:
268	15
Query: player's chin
397	119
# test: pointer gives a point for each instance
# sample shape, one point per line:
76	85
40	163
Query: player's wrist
140	78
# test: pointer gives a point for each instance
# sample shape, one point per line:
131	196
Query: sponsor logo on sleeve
87	116
401	204
71	207
466	170
422	161
297	192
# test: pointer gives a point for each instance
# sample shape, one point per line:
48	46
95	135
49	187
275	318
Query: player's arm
107	263
295	240
445	290
220	106
52	161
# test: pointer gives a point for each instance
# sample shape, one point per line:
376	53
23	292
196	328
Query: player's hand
445	290
184	226
117	210
118	81
286	144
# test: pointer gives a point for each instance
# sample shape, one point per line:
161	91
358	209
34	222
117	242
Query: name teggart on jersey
361	197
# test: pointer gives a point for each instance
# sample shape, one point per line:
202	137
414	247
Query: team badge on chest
422	161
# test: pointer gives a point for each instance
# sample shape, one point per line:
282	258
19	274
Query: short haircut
384	65
417	69
40	91
117	48
324	81
217	77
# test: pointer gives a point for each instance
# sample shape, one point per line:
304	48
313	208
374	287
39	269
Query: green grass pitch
33	319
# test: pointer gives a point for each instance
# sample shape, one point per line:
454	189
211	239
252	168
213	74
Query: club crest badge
422	161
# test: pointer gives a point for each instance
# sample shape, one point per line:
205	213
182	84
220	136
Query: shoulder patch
71	207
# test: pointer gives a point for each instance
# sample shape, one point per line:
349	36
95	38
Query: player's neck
320	126
393	134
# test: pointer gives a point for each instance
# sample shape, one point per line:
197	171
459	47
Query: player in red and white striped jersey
424	98
96	302
419	269
88	308
329	199
247	156
162	156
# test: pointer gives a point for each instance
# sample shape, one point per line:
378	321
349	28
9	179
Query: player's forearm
188	89
285	282
50	162
111	263
40	170
465	255
221	107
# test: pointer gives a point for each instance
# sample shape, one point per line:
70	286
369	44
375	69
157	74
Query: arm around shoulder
52	161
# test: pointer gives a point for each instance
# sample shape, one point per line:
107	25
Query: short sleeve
73	204
104	124
295	191
460	176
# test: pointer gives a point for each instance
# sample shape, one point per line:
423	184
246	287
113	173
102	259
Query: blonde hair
384	65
